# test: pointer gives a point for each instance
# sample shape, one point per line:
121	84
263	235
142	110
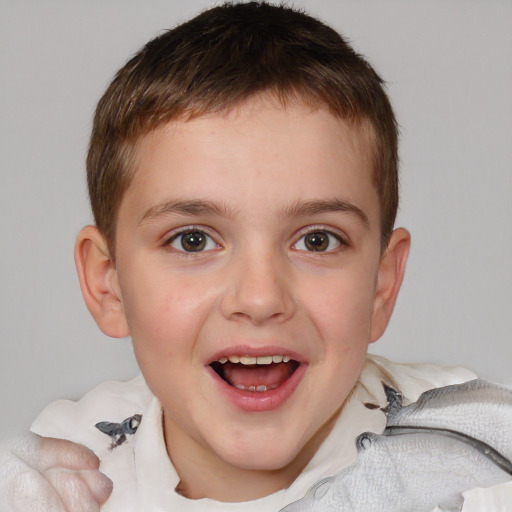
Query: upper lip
248	351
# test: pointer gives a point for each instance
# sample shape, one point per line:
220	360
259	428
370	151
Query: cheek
343	308
164	310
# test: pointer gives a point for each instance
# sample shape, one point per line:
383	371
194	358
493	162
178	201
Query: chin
271	455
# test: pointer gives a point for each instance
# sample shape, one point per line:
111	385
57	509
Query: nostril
258	311
257	290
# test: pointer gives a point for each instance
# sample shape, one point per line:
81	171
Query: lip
262	401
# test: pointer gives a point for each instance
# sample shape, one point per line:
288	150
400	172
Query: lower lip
260	401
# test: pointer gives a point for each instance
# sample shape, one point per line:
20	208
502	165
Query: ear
389	279
99	282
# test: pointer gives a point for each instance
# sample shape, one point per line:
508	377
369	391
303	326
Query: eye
193	240
318	241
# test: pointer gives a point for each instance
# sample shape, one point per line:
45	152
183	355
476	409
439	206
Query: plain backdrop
449	70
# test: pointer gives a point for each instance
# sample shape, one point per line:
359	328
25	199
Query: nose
259	290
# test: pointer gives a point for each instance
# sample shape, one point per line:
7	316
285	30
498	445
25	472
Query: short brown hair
217	60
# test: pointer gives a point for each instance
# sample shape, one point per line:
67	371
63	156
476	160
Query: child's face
253	234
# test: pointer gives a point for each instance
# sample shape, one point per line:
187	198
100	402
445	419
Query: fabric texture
135	458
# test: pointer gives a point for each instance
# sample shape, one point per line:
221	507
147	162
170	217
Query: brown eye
193	241
318	241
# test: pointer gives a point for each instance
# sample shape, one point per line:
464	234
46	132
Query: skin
255	285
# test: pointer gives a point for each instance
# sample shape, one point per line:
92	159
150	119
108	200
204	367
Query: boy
243	177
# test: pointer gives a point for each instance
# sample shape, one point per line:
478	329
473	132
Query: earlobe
389	279
99	282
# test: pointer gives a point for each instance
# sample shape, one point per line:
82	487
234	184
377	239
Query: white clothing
144	477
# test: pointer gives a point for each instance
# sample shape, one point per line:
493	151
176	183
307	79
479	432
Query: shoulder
412	379
111	401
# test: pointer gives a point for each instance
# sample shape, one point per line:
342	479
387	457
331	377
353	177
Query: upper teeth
255	360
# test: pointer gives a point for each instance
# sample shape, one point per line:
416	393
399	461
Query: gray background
449	68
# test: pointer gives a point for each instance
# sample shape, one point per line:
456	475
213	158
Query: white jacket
144	477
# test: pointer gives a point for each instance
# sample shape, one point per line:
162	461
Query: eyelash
311	230
189	230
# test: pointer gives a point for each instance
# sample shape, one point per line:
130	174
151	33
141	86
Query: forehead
260	154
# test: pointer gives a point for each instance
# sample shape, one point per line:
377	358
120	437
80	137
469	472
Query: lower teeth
254	389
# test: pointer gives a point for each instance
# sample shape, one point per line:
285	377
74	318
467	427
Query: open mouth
255	374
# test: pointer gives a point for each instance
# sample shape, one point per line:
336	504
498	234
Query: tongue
271	376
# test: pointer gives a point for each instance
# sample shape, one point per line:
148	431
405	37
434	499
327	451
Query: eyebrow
201	207
300	208
188	207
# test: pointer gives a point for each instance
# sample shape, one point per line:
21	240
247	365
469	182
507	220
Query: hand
39	474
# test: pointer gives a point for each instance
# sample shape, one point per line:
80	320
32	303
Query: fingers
83	489
42	453
58	453
55	490
29	491
100	485
65	454
50	475
80	491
